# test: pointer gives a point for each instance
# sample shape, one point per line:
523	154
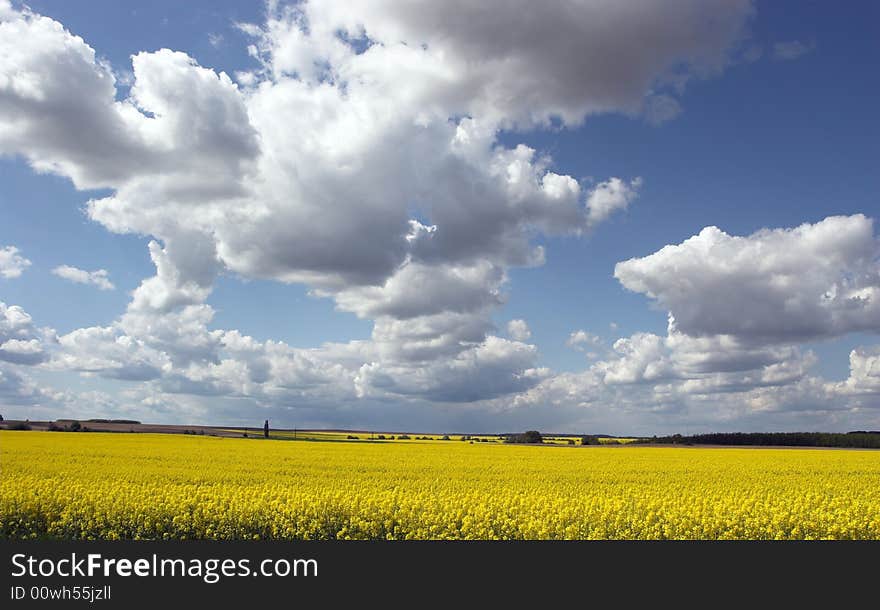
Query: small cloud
124	78
246	79
786	51
215	39
753	53
613	326
518	330
12	264
99	278
609	196
248	29
661	108
583	341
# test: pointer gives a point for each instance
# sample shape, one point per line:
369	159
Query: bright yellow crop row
91	485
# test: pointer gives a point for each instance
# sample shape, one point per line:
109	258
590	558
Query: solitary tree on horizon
266	429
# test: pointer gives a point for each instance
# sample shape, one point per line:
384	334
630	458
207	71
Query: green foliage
73	426
528	437
859	439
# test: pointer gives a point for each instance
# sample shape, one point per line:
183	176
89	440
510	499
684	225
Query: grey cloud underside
15	390
525	62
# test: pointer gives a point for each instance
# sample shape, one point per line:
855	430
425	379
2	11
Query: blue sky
781	131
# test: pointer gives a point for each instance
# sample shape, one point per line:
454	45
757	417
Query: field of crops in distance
155	486
356	435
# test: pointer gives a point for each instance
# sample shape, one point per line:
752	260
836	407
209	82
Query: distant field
303	435
161	486
346	435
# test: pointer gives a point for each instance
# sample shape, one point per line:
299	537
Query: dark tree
860	439
528	437
266	429
533	436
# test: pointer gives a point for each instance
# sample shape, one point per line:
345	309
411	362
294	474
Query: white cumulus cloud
99	277
774	286
363	158
21	342
608	197
518	330
12	264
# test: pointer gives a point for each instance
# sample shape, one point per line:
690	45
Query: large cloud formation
740	309
813	281
358	117
361	156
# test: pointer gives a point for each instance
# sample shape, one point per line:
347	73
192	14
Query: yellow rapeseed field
142	486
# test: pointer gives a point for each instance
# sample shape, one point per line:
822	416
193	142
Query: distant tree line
112	421
863	439
19	425
73	426
528	437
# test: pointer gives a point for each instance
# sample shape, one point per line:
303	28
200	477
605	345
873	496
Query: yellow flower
141	486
